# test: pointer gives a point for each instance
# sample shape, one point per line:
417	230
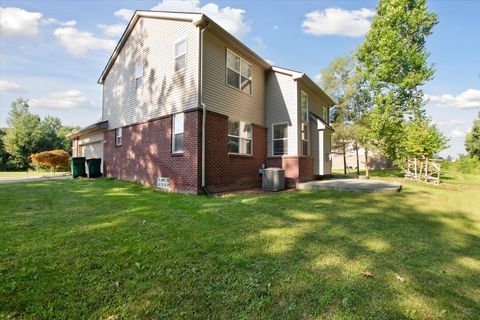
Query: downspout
203	106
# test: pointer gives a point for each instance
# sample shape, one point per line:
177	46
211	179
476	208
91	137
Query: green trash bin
94	165
78	167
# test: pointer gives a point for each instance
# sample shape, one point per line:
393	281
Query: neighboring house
375	160
187	106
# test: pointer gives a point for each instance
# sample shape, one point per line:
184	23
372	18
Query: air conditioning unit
273	179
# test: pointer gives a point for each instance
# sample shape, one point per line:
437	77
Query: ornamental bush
55	160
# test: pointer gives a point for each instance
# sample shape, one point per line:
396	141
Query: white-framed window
180	54
240	137
177	132
304	122
118	136
138	75
280	139
239	73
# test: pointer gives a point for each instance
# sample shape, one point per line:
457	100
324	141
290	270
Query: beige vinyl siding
164	91
281	107
222	98
91	146
315	102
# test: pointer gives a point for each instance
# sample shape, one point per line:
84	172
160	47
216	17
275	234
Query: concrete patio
351	184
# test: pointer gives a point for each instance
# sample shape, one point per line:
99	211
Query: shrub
55	160
464	164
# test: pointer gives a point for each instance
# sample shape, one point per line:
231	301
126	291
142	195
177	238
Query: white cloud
258	44
318	77
79	42
457	133
49	21
11	87
231	19
450	123
112	30
275	27
66	100
337	21
468	99
19	22
125	14
178	5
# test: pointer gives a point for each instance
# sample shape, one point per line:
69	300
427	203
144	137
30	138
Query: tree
4	156
54	160
28	134
22	135
472	140
341	140
393	60
340	81
422	140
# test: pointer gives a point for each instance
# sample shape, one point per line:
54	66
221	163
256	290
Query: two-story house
187	106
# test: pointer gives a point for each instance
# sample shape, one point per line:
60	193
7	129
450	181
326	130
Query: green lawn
27	174
79	249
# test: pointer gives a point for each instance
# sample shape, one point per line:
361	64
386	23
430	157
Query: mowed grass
84	249
6	175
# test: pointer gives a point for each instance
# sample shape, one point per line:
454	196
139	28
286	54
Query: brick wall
297	169
226	172
145	154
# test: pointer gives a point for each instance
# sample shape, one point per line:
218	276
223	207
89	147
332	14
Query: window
305	132
177	133
304	124
180	54
118	136
280	139
138	75
239	73
239	137
325	115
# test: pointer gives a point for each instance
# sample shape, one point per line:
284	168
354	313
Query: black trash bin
94	165
78	167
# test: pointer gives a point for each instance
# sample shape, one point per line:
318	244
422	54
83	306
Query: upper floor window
118	136
239	137
239	73
138	75
280	139
304	124
177	133
325	115
180	54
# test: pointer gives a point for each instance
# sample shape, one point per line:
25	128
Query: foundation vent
162	183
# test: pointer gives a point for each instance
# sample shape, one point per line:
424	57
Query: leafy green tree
341	140
23	134
28	134
339	81
393	60
3	153
422	140
472	140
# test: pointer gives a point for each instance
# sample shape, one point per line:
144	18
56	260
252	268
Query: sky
52	52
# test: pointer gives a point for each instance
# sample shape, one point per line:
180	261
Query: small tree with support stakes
422	142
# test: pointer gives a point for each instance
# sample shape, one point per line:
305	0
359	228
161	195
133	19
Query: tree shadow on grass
93	248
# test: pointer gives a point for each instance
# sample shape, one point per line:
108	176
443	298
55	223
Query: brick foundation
145	154
297	169
226	172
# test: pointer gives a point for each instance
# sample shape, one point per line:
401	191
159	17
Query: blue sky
52	52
